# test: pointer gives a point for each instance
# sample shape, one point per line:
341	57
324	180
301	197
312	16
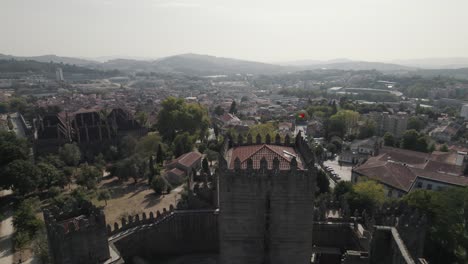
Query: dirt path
6	235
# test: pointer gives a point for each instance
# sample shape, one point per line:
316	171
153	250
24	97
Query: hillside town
130	143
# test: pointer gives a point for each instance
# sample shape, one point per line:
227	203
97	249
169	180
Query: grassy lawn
129	198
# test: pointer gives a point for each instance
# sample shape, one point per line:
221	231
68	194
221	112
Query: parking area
344	171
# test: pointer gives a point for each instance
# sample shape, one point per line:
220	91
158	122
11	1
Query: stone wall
337	235
387	247
77	239
172	233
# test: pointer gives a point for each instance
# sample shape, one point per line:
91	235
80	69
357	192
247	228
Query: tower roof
284	154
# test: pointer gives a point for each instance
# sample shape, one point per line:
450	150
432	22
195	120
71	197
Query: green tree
367	129
25	221
233	108
368	195
148	144
41	246
152	171
18	104
53	160
389	139
104	195
412	140
141	167
415	123
447	212
218	110
142	118
50	176
341	189
342	123
158	184
444	148
70	154
319	152
211	155
22	176
100	162
160	155
88	176
12	148
127	146
205	166
176	116
323	183
263	130
183	143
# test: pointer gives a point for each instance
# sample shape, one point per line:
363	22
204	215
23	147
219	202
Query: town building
183	166
402	171
360	150
464	111
395	124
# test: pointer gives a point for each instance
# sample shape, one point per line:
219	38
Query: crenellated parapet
301	159
133	221
77	236
83	219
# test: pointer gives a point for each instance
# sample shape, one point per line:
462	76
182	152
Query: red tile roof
257	152
177	172
400	168
187	160
389	173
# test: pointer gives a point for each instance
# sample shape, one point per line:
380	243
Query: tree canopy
413	140
70	154
177	116
447	238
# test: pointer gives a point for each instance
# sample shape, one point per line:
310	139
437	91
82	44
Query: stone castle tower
266	201
77	237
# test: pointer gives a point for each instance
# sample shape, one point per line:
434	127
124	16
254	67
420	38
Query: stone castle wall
77	242
174	233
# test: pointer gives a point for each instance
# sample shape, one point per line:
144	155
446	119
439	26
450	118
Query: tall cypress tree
159	155
151	169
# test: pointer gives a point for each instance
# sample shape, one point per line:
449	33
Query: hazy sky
264	30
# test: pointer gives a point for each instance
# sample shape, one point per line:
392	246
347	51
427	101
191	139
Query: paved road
344	171
6	234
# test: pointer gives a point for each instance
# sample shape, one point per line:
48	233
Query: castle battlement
83	219
266	157
77	236
133	221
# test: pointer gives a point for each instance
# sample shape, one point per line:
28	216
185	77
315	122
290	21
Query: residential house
402	171
360	150
183	166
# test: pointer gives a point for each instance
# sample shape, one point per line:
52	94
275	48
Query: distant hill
13	67
461	73
360	65
52	58
313	62
436	63
195	64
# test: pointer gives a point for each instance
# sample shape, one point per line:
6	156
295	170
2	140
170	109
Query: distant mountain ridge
196	64
52	58
436	63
